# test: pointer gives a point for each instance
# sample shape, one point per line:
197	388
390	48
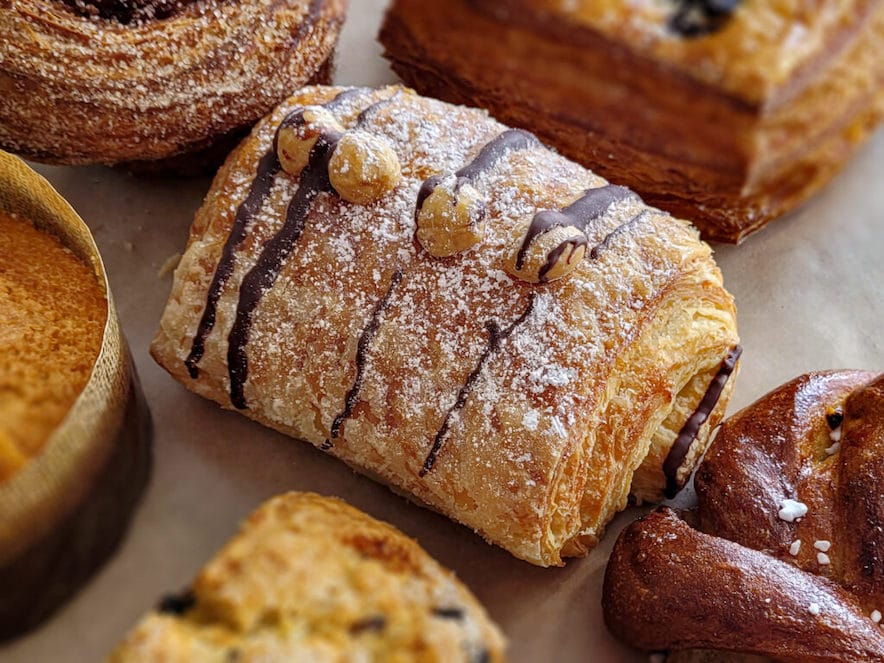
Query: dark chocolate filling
128	11
496	337
835	418
691	428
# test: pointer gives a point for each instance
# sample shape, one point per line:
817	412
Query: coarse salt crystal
814	608
823	558
876	616
795	547
792	510
823	545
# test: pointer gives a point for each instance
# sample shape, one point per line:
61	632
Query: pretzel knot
784	555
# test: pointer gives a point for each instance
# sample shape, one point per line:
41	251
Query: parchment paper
809	296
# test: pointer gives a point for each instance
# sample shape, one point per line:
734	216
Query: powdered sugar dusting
529	396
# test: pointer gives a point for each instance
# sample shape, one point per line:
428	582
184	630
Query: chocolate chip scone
310	578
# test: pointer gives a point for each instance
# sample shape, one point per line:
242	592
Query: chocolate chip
374	624
448	613
177	604
835	418
695	18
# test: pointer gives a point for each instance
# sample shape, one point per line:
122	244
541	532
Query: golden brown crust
310	578
729	130
519	409
53	320
80	89
791	515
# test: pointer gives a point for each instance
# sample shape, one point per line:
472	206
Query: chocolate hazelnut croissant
397	333
120	81
787	561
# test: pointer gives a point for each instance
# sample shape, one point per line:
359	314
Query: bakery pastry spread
728	113
491	329
123	81
784	556
74	428
309	578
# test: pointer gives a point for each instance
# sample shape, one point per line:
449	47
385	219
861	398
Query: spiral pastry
117	81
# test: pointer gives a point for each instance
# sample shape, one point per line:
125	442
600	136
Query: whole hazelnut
298	133
363	167
451	218
548	256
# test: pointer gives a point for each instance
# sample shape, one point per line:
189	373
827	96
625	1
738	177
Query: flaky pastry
522	397
728	113
121	81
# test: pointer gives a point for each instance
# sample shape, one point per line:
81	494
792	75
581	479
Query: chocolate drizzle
691	428
268	168
362	348
593	204
314	180
496	337
605	244
510	140
695	18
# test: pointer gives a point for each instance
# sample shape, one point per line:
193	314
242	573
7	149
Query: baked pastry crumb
310	578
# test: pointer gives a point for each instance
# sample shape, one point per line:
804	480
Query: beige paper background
810	296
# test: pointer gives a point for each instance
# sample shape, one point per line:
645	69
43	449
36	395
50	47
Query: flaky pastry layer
730	128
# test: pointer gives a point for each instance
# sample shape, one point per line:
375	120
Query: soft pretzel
726	112
119	81
787	558
490	327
